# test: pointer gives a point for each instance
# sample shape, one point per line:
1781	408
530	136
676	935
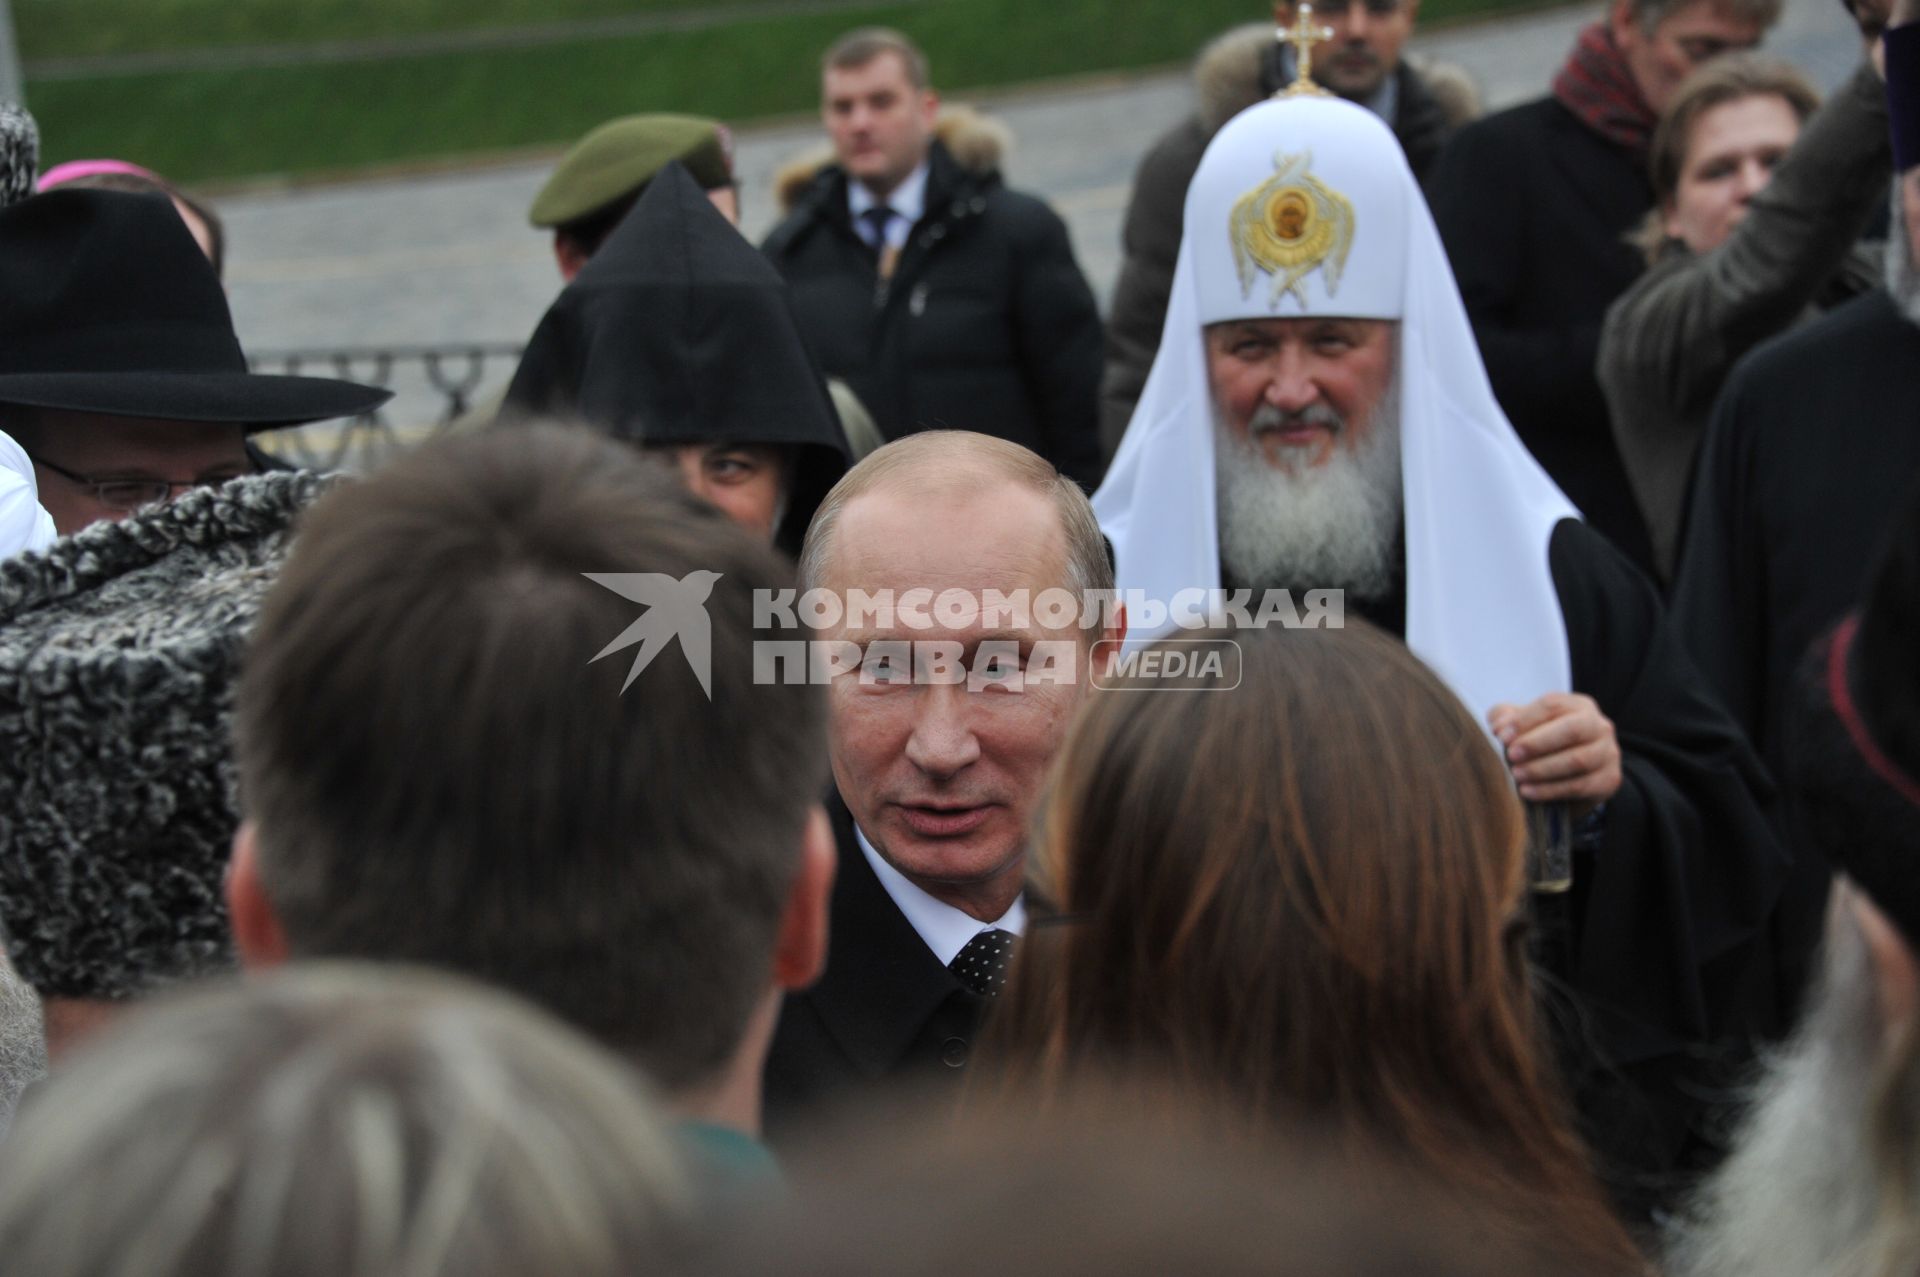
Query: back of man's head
437	767
337	1119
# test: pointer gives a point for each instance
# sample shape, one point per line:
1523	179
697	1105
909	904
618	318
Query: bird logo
675	608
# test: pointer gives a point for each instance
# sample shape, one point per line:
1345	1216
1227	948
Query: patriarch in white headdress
1318	417
1353	444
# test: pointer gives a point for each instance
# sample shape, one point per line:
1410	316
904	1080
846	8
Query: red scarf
1596	85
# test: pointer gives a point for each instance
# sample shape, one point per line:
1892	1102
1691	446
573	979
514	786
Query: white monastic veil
1481	604
24	524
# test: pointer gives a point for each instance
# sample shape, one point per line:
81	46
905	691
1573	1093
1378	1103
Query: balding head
942	775
953	466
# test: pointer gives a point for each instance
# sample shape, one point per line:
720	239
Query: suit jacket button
953	1053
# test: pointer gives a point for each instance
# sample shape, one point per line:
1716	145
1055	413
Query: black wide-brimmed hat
108	305
678	331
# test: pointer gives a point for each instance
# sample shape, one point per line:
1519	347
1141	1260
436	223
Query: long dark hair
1303	897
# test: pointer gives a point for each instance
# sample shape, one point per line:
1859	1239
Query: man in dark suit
1535	203
940	743
943	298
633	843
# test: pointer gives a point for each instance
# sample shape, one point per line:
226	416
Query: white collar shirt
908	202
945	928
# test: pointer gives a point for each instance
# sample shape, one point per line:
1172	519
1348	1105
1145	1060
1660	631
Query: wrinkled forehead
886	69
993	535
1736	24
1301	208
1304	328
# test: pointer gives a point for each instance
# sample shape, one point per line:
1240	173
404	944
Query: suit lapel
882	984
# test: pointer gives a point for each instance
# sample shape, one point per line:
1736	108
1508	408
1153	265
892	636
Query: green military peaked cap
621	156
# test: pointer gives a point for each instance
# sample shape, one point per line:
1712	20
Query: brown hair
441	770
1302	895
1110	1182
1728	78
859	47
1648	14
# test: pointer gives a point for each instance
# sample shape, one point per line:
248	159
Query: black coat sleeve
1719	593
1057	327
1481	205
1669	907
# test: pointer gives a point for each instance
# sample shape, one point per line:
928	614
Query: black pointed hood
679	331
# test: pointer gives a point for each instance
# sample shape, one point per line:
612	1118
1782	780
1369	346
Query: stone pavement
449	257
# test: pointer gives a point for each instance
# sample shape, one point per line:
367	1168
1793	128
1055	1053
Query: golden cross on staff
1303	35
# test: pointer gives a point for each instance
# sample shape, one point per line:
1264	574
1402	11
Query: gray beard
1805	1194
1293	528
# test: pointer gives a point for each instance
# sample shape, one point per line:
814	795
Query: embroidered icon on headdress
1289	226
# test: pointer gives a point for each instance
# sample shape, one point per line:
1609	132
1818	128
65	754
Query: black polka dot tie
982	965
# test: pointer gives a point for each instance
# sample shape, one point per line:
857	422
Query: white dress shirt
945	928
908	201
24	522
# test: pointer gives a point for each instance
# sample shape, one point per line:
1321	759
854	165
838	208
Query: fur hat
119	651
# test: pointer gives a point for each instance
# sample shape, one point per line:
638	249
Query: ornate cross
1303	35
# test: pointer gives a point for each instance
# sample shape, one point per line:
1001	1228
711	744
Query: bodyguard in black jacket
985	324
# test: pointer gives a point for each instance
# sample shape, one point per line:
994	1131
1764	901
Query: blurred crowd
1393	750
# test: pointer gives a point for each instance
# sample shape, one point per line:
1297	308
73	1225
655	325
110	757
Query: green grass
78	28
206	125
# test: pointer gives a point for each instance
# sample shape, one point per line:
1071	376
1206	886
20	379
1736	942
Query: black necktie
982	965
877	219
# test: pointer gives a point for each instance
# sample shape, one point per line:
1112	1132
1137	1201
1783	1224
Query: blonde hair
338	1120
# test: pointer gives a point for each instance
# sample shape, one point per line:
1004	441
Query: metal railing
436	388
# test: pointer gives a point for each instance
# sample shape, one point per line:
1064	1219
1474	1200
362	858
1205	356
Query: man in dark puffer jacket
943	298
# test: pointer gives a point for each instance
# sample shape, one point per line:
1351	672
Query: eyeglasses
126	495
